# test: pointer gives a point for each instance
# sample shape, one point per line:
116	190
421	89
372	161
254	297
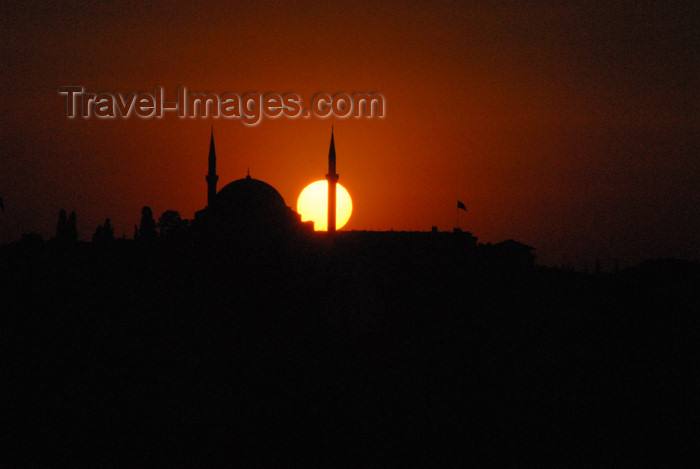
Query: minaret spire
332	178
212	178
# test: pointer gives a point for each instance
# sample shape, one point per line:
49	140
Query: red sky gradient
569	126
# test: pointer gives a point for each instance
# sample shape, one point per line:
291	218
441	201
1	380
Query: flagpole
460	205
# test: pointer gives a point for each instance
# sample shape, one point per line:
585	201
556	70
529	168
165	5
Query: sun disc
313	205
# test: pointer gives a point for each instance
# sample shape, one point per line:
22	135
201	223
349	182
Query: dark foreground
165	354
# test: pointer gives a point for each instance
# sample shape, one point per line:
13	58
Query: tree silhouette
104	233
109	231
66	228
72	230
98	235
147	229
170	223
62	225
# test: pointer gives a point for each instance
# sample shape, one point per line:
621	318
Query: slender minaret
212	178
332	178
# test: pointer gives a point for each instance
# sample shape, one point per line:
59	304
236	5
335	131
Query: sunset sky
570	126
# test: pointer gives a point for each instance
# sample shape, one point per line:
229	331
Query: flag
461	205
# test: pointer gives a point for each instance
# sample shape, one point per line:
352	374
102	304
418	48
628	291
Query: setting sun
313	205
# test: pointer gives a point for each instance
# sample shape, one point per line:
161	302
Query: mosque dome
250	198
246	209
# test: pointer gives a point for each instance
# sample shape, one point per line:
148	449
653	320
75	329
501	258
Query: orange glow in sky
571	128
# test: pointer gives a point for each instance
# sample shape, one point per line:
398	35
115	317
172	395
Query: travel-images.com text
250	107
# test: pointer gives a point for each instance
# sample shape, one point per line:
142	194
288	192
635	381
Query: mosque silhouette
249	209
245	207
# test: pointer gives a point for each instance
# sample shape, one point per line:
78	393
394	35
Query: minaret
332	178
212	178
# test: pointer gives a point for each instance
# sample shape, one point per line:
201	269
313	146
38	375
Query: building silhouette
249	210
246	207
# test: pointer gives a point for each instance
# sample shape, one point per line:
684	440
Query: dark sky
570	126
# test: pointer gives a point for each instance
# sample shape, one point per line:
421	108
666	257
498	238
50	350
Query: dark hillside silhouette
397	348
